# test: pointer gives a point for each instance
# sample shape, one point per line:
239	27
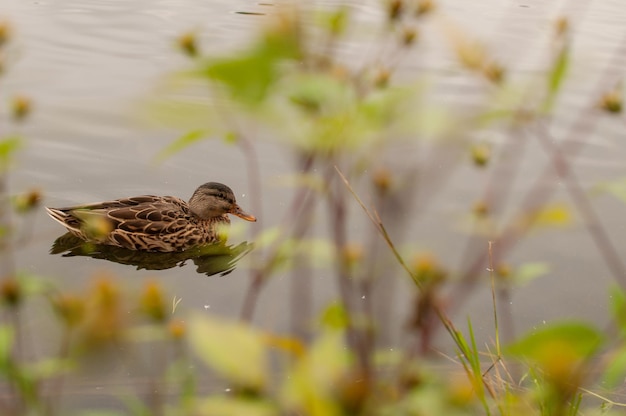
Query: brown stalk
538	194
375	219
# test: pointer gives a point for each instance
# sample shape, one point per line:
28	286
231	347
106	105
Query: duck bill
242	214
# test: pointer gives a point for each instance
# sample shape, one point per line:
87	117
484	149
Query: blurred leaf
182	107
321	251
557	76
181	143
34	285
559	70
313	181
235	406
249	75
616	369
290	345
136	406
616	187
618	308
313	383
548	343
321	113
231	137
146	333
47	368
320	94
530	271
6	345
334	21
558	351
555	215
267	237
234	350
8	147
334	316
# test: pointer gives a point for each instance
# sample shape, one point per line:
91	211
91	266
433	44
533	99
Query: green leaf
616	187
554	215
530	271
6	344
47	368
313	382
96	412
334	21
616	369
578	338
250	74
235	406
557	76
559	70
8	146
233	349
335	316
618	308
181	143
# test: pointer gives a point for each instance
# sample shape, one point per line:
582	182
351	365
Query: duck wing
163	215
147	214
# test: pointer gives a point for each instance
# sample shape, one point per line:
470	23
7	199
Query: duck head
215	199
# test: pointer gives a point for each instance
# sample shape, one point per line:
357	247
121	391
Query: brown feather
154	223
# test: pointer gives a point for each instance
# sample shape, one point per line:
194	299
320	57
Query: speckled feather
152	223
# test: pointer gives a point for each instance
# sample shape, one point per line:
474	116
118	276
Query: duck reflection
209	259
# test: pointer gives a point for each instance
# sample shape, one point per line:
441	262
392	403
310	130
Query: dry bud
188	44
70	309
5	32
11	292
382	179
481	209
481	154
21	107
395	10
424	7
382	78
409	35
612	101
494	72
177	329
28	201
561	26
152	302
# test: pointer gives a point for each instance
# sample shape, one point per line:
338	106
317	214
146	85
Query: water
91	67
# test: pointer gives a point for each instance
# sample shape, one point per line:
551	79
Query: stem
493	298
538	194
447	323
594	226
357	337
302	200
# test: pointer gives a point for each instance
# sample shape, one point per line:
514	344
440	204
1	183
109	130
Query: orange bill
242	214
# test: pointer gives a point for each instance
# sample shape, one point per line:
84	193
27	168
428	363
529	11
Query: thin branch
447	323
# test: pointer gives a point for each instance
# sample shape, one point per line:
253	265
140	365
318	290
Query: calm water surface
90	67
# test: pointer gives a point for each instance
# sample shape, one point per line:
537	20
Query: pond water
91	67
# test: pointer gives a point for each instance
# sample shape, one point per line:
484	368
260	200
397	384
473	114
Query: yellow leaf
234	350
557	215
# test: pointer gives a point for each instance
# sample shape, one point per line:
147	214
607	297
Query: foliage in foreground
338	120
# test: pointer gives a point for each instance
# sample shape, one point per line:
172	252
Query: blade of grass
493	298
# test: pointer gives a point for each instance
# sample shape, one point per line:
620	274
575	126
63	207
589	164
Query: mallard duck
154	223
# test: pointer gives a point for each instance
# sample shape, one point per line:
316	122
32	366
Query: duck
154	223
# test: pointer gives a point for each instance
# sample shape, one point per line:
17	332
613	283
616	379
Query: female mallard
154	223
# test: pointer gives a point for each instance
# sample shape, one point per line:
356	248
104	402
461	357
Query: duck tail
64	218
